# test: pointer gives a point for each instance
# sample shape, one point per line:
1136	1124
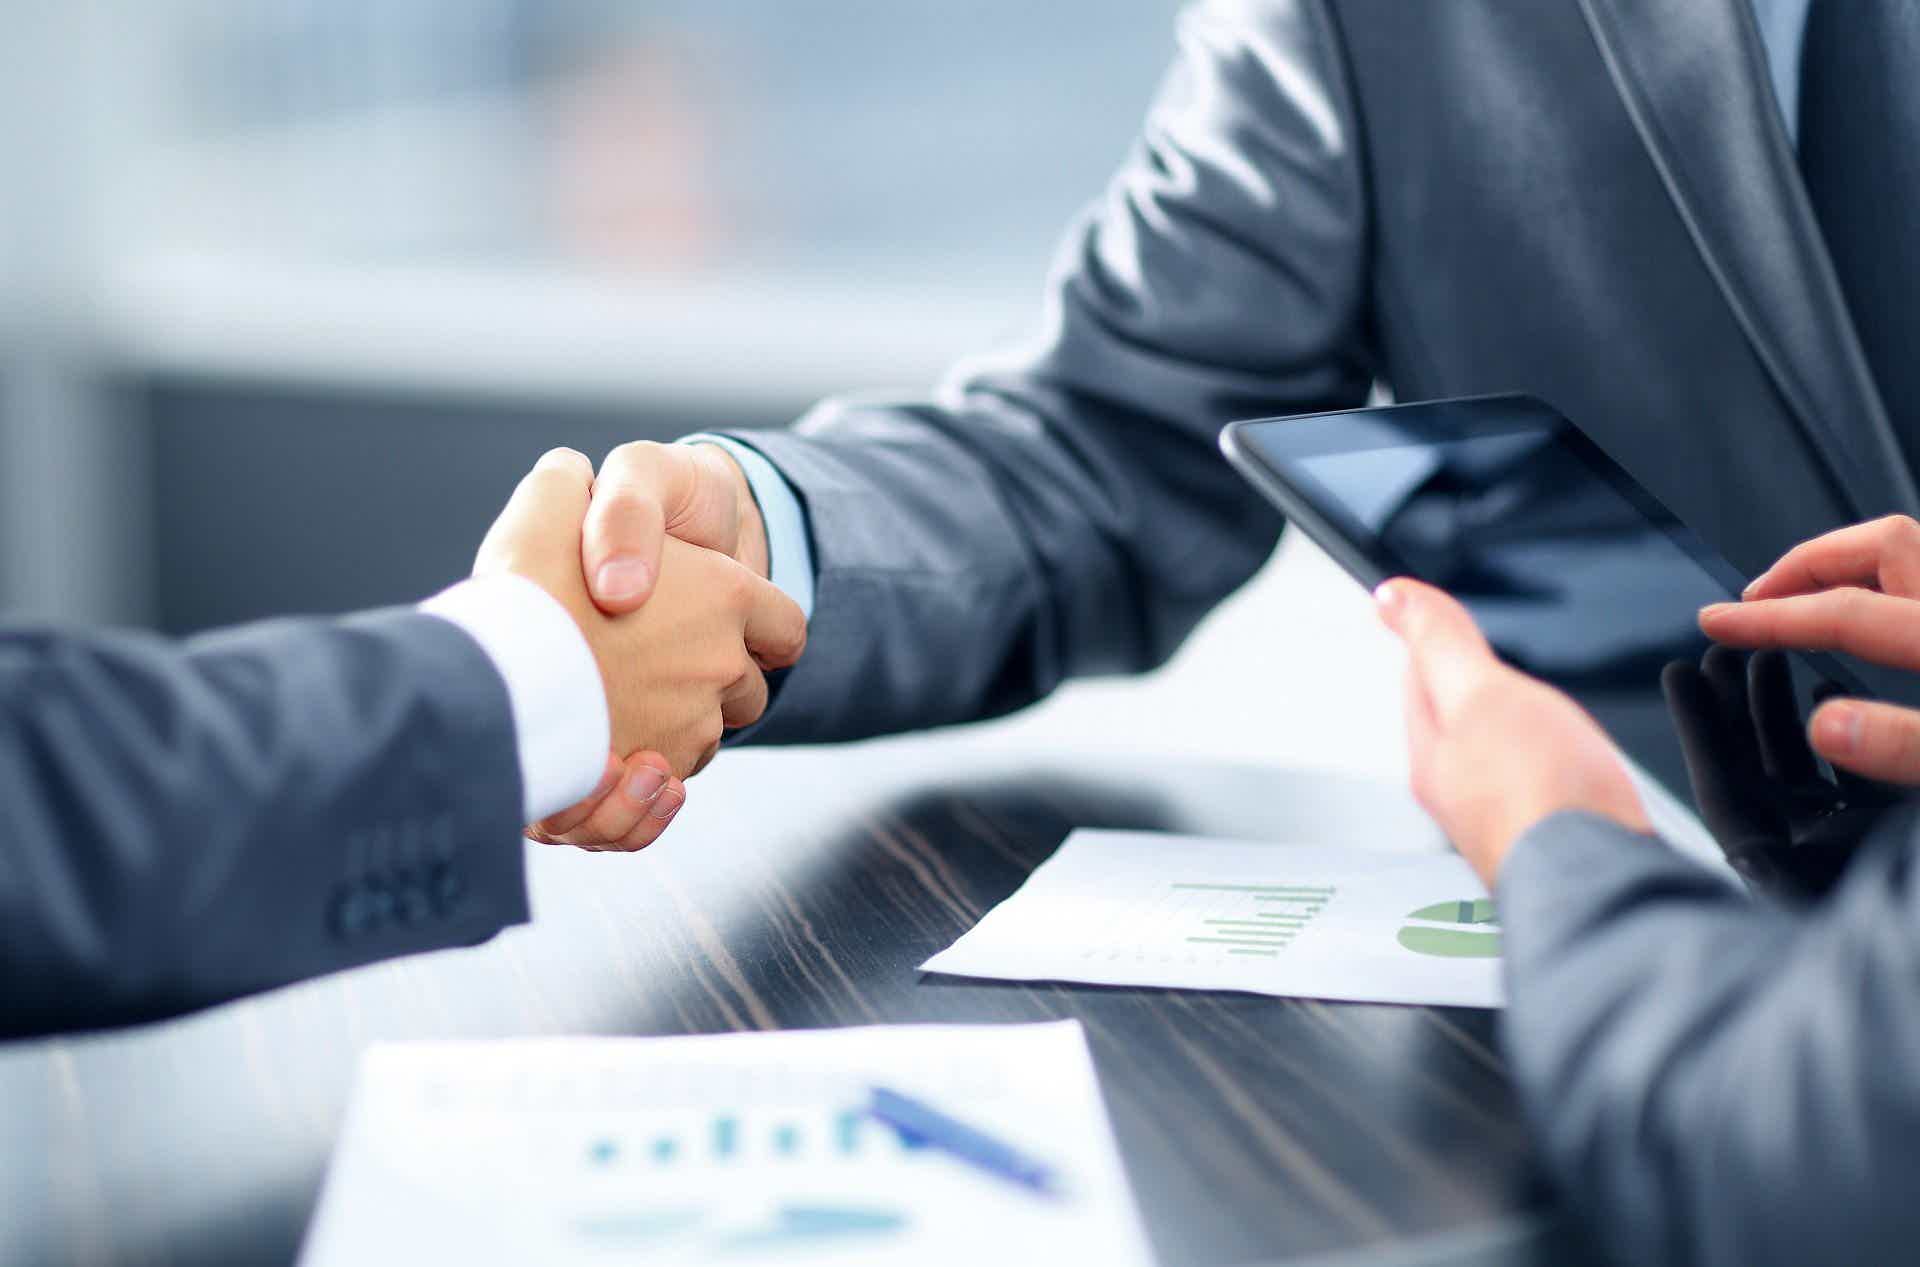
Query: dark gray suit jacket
1593	201
1717	1080
184	823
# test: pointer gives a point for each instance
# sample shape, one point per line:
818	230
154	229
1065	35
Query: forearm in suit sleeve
1717	1080
1064	509
182	824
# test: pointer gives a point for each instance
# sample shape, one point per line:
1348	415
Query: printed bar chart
1297	919
846	1132
728	1137
1251	931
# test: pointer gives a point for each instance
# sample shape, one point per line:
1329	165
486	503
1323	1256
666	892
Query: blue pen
921	1123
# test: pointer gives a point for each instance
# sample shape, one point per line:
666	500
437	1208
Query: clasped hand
680	617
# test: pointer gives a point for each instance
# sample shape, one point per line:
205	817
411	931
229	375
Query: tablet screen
1576	574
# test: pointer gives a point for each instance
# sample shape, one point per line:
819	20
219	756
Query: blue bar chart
724	1138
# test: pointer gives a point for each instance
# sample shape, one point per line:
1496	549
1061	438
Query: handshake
662	562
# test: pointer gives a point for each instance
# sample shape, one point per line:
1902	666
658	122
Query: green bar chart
1256	921
1363	921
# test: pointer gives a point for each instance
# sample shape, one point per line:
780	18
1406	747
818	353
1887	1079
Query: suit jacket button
352	912
379	901
411	902
446	888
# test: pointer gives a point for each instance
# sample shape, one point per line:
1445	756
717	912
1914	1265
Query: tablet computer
1576	573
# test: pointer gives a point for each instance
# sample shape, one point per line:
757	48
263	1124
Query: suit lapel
1709	121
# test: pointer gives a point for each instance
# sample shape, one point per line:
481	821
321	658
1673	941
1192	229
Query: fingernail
668	804
644	787
1716	609
1753	585
1387	595
1836	728
622	578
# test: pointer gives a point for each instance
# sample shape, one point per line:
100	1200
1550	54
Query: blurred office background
292	290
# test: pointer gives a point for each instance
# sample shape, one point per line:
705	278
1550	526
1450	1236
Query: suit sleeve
1717	1080
182	824
1064	509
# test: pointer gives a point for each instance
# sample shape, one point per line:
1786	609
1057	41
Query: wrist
1488	854
1612	799
753	542
750	549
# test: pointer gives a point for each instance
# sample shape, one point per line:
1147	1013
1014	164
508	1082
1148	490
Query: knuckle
1905	534
791	639
564	462
1897	733
749	709
1845	607
624	502
609	822
628	460
739	586
795	649
1874	738
1488	696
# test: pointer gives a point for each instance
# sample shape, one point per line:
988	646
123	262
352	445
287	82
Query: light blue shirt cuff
789	548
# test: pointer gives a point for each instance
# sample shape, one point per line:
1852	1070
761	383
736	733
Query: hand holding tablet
1572	570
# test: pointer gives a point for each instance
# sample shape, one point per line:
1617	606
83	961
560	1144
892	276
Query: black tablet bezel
1311	508
1317	512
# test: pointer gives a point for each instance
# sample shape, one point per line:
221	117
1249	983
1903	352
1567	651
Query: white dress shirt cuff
553	685
789	552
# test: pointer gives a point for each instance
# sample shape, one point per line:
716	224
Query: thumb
638	488
1878	741
1446	653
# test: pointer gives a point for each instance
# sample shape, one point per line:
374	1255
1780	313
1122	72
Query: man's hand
676	673
1855	590
649	492
1494	751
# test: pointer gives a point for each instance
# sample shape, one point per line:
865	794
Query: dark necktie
1860	154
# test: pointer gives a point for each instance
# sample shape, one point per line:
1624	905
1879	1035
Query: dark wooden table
801	889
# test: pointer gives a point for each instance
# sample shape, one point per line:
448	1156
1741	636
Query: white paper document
738	1149
1308	921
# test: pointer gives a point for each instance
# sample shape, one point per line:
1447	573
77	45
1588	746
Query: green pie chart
1472	933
